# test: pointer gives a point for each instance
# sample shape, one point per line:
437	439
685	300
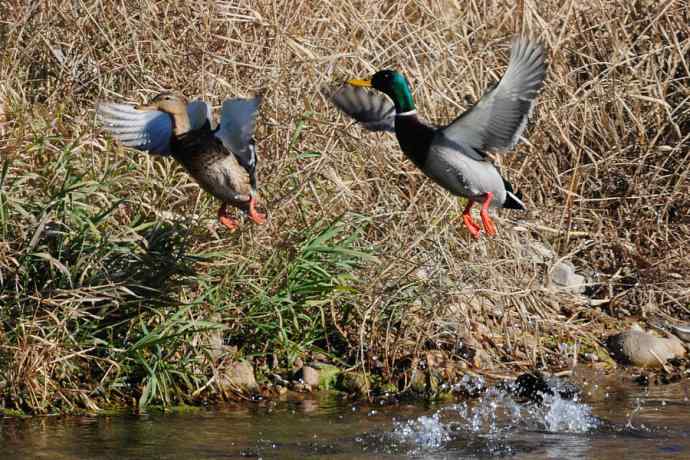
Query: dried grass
98	243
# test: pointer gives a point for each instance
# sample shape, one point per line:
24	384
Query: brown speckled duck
221	159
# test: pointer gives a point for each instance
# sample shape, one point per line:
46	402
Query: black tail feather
513	198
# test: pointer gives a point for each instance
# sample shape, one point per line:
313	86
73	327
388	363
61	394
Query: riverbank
630	422
119	289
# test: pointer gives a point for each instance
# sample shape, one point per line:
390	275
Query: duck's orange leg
467	218
225	219
254	215
489	226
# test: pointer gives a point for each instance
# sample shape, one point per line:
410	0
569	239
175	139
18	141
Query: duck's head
393	84
171	103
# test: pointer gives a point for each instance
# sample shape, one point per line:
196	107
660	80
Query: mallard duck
457	156
221	159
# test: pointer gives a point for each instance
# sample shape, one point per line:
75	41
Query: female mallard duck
221	160
455	156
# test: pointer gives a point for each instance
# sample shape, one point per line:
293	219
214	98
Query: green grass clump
102	302
304	290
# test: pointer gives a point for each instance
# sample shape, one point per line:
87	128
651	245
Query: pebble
564	277
239	375
310	376
642	349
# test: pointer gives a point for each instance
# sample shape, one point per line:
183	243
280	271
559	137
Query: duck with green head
456	156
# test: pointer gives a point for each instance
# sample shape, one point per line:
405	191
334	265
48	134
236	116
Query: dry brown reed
604	170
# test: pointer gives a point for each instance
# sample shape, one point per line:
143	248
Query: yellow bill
357	82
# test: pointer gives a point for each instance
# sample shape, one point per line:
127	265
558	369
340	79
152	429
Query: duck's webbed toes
225	219
471	226
489	226
256	217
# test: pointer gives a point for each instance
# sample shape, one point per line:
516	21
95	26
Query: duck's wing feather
375	111
199	113
497	120
142	130
236	129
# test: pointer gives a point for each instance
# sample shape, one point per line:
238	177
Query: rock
328	375
354	382
310	376
642	349
239	376
563	276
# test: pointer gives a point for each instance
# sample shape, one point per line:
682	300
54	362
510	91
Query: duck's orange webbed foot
257	217
489	226
469	222
225	219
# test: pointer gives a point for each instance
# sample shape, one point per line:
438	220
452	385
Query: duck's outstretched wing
199	113
142	130
497	120
236	129
374	111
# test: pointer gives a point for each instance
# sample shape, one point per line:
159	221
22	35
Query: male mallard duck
221	160
455	156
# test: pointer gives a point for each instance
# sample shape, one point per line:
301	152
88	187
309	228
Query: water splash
427	432
568	416
494	418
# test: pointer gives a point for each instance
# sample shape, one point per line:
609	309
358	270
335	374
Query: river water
606	423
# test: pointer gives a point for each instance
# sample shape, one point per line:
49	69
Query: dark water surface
636	423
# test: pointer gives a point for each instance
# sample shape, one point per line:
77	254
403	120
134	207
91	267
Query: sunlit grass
117	287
